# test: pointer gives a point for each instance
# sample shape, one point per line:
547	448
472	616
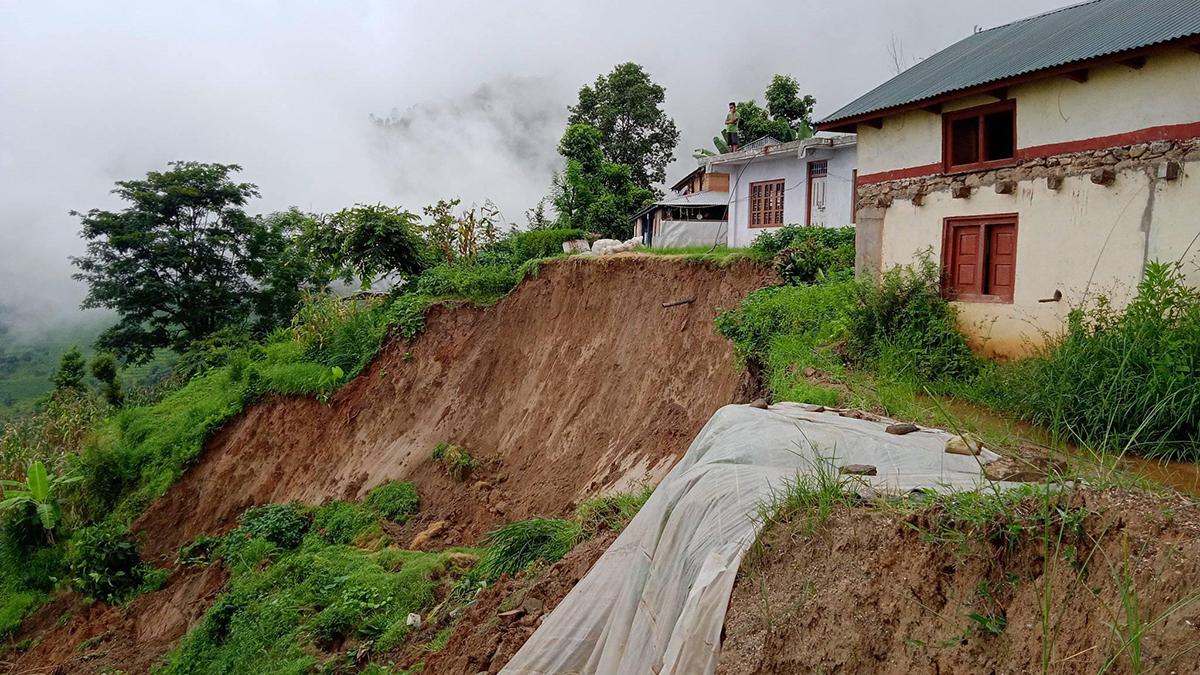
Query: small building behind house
1039	171
730	198
804	182
694	215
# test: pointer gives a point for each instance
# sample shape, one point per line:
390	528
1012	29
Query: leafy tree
625	106
366	242
441	229
784	102
71	370
787	116
174	263
104	369
592	194
534	217
282	266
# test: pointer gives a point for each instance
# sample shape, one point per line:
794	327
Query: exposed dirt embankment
577	381
869	594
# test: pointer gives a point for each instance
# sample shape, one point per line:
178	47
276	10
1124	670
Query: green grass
612	512
395	500
718	255
514	547
292	612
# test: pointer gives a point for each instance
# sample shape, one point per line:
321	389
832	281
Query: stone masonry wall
1153	158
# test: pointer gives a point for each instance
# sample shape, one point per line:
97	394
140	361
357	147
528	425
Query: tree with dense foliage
367	243
104	369
625	107
71	370
174	263
787	116
785	103
283	268
592	194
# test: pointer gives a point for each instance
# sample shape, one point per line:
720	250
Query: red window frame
766	203
948	120
989	264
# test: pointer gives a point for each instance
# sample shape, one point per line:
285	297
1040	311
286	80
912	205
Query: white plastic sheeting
655	601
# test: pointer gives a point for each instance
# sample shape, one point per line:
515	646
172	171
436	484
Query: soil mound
869	593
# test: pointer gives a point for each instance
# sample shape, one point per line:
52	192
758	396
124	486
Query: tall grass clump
612	512
516	546
1124	380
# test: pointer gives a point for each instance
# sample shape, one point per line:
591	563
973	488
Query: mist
329	104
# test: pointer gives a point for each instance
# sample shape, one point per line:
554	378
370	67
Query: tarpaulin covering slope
655	601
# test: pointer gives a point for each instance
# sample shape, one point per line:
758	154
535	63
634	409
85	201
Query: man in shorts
731	127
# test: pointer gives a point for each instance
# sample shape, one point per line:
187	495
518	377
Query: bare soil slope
577	381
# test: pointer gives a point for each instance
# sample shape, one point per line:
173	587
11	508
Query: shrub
477	283
1128	379
198	551
454	458
799	254
281	524
342	522
539	243
104	563
515	546
905	328
395	501
212	351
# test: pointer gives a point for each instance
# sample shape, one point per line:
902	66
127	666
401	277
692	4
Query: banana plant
38	490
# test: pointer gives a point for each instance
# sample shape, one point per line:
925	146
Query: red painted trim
897	174
848	123
1169	132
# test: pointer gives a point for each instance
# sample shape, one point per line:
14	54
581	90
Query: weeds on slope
1118	381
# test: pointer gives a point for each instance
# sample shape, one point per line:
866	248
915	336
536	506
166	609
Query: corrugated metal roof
1074	33
705	198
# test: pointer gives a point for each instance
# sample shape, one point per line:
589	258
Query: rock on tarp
655	601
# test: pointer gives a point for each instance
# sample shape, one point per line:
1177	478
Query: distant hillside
25	368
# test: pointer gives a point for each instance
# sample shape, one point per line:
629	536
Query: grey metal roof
703	198
1074	33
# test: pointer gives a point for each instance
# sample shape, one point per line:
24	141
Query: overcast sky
94	92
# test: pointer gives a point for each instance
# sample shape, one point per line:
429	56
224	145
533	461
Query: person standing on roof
731	127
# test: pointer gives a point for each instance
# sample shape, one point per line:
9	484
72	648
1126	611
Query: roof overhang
683	181
1075	70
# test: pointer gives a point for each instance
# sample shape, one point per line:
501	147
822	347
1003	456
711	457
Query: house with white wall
1043	162
803	182
731	198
